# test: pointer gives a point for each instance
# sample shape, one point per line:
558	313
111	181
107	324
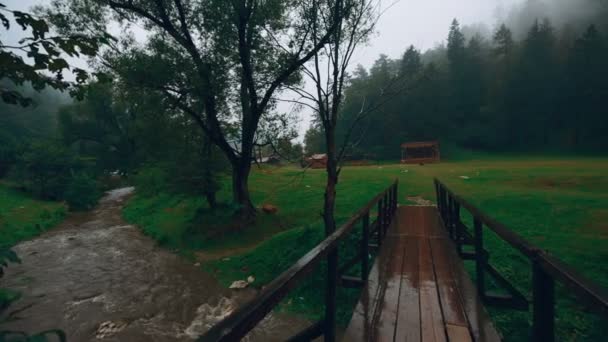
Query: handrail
546	268
246	317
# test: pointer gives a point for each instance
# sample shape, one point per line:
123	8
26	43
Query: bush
82	192
44	169
151	180
8	151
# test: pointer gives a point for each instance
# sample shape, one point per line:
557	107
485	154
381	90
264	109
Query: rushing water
98	278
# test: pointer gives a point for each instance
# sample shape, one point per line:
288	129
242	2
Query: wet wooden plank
362	326
451	303
408	319
431	320
478	319
457	333
418	221
436	300
389	304
435	227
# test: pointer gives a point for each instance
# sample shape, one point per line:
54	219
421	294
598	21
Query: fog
425	24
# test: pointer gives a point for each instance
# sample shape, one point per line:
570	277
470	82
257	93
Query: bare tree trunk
329	203
240	189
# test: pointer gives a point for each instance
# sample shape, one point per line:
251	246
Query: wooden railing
546	269
246	317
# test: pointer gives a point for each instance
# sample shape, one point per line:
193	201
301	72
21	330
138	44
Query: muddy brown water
100	279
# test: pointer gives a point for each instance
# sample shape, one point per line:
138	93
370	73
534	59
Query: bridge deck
418	289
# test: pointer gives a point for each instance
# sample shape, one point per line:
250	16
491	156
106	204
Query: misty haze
272	170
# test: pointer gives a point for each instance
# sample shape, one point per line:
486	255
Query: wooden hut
420	152
317	161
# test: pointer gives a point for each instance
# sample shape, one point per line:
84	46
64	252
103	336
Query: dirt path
98	278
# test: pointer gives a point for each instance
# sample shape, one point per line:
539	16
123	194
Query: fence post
543	309
444	206
387	209
365	247
450	215
330	296
437	195
457	227
396	195
480	262
380	225
393	202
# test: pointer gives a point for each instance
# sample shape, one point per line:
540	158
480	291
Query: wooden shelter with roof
420	152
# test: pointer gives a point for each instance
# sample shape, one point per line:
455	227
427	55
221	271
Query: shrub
44	169
151	180
82	192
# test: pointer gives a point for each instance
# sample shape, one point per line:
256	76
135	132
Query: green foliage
18	125
22	217
151	180
8	151
82	192
44	168
7	296
6	256
48	55
102	127
44	336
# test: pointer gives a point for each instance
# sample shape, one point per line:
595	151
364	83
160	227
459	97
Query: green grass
22	217
560	204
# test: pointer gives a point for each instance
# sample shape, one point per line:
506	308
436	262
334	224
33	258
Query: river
98	278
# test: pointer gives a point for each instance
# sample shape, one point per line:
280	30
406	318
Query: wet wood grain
419	289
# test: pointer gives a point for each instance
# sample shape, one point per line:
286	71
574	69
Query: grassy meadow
560	204
22	217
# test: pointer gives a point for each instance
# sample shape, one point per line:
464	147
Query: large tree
224	62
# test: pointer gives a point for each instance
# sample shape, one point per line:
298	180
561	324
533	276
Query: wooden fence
546	269
246	317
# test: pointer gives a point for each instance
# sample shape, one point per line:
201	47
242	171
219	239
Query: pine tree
456	43
503	41
411	64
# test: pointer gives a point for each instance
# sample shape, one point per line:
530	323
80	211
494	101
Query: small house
317	161
420	152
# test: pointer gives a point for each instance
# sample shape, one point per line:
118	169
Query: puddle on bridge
98	278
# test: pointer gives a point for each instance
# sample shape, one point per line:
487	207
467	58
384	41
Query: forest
538	89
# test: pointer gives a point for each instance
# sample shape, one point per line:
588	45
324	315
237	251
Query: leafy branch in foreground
39	58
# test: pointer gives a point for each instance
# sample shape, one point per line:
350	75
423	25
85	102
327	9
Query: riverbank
22	217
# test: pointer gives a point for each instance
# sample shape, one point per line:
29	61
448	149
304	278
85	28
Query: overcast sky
423	23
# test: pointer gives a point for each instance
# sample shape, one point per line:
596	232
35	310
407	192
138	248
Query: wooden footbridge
416	288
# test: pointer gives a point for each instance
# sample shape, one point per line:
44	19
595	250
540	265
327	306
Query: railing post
480	262
365	247
396	197
330	296
543	309
437	195
449	214
457	227
380	227
387	206
444	199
